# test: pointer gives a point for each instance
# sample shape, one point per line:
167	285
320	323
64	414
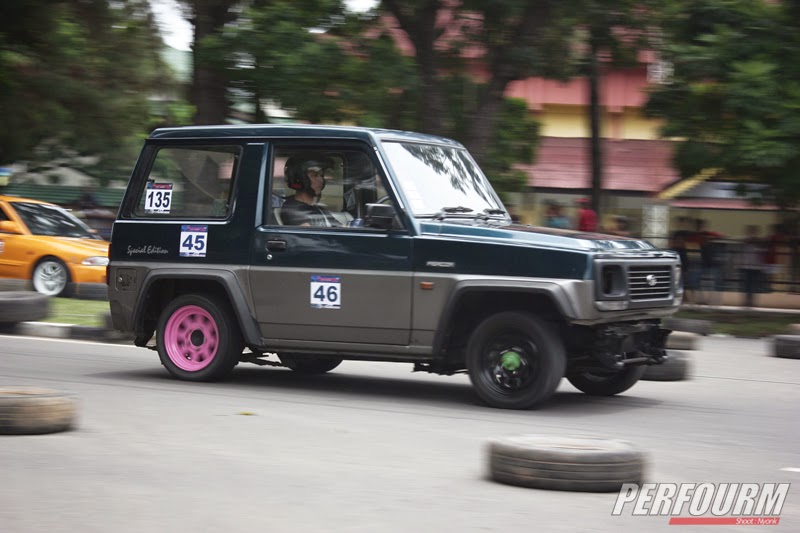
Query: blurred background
677	121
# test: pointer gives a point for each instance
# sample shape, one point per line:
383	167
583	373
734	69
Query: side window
324	187
190	182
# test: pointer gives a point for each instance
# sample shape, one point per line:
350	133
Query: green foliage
74	79
734	97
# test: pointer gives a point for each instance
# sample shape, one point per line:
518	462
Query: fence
726	273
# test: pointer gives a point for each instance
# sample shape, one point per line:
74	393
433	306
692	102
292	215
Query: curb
55	330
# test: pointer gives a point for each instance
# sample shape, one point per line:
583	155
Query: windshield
438	179
50	220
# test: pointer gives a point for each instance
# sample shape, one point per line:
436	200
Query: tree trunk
209	84
420	26
595	153
484	123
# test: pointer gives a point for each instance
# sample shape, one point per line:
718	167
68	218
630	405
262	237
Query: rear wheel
309	364
602	383
198	338
51	277
514	360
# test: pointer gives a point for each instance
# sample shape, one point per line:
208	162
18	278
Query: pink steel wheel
191	338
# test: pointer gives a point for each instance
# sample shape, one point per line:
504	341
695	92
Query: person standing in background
751	263
587	218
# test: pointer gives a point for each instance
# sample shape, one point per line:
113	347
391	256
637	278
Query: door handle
276	246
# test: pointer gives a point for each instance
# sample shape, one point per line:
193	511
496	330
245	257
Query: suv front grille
649	282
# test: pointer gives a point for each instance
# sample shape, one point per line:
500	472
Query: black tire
607	384
514	360
583	464
199	344
309	364
787	346
51	277
674	368
23	306
33	411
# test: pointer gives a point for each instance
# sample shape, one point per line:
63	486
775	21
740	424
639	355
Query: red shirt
587	220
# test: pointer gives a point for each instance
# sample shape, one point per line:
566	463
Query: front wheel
514	360
309	364
609	383
198	338
50	277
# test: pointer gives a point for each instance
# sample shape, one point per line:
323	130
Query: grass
79	312
744	323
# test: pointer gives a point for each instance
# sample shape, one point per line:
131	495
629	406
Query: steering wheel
382	199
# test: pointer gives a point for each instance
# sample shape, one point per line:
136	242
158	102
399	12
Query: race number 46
158	198
326	292
194	241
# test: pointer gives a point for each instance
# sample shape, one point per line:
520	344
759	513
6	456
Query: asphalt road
369	447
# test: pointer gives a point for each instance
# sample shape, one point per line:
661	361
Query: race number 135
158	198
326	292
194	241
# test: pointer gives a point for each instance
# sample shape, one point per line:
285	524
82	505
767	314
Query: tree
74	79
734	97
209	79
514	38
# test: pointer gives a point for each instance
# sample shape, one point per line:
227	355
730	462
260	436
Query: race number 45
194	241
326	292
158	198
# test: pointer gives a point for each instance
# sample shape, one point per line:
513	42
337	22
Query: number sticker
158	198
326	292
194	241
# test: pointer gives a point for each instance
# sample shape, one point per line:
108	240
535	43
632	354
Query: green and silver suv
303	246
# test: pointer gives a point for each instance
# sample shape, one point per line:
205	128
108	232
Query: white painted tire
31	411
585	464
675	368
681	340
23	306
787	346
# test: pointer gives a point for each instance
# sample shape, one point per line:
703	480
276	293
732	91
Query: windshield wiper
443	212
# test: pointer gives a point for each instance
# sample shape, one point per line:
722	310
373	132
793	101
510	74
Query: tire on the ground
586	464
787	346
550	359
606	385
23	306
682	340
675	368
309	364
229	342
33	411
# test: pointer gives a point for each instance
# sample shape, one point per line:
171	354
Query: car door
15	254
342	284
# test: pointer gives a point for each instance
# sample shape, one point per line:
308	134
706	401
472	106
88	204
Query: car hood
537	235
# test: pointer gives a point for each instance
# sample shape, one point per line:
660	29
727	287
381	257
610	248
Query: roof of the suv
297	130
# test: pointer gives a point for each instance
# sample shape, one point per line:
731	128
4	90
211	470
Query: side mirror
379	216
8	226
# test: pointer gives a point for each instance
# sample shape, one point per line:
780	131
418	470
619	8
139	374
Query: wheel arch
162	285
472	301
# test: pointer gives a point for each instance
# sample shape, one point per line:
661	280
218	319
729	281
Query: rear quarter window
189	182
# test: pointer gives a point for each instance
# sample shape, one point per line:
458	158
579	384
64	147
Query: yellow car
48	245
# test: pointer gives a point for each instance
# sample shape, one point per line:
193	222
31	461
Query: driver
306	176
